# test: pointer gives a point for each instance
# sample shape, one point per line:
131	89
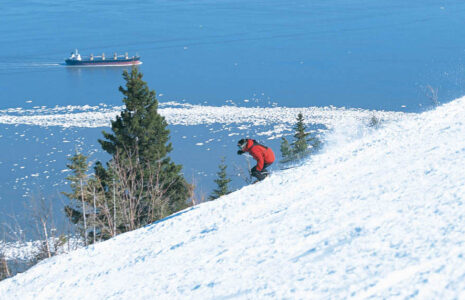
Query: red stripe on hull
110	63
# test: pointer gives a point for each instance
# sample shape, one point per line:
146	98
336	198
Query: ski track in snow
378	215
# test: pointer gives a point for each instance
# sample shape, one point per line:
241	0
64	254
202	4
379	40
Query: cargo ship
76	59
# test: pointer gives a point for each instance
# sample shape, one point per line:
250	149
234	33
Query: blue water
379	55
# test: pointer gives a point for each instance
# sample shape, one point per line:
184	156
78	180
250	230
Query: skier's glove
239	152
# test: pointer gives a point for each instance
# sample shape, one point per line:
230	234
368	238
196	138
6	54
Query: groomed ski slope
378	214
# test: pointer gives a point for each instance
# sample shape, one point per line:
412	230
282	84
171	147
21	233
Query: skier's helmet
242	143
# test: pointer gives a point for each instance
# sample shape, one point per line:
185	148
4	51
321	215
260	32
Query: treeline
139	184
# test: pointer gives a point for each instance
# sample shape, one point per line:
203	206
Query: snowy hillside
378	214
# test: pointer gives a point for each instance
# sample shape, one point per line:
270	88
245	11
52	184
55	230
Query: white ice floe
187	114
27	250
377	214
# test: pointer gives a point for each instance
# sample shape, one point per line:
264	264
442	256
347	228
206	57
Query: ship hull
107	62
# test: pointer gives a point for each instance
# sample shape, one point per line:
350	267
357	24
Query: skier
262	154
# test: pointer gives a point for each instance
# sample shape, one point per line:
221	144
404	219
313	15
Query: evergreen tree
140	184
286	150
304	143
139	128
222	182
374	122
300	145
77	212
141	137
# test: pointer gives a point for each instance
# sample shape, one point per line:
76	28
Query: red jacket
263	155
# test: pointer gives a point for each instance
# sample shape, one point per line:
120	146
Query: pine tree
374	122
300	145
78	166
222	182
139	128
141	138
286	150
140	184
304	143
76	212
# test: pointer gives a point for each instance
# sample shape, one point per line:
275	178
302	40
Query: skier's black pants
260	175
